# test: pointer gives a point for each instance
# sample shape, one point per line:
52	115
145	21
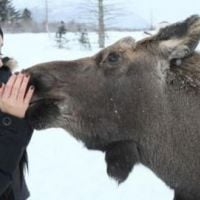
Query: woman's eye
113	57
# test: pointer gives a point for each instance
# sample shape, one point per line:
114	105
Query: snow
59	166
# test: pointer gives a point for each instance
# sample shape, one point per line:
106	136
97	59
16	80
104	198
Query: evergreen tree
26	21
102	11
26	15
7	12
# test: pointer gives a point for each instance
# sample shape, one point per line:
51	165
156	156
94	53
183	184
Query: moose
137	101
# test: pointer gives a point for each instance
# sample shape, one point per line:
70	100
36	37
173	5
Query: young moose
133	101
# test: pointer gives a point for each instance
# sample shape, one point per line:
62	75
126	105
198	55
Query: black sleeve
15	134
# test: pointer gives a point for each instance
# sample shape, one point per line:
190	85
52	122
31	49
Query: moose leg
120	158
179	40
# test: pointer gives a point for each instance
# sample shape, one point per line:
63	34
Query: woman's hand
1	63
14	96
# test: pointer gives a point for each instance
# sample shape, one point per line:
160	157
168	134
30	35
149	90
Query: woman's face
1	44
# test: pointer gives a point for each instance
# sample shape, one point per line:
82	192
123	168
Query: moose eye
113	57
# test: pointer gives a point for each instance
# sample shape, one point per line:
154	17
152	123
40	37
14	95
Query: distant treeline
17	21
36	27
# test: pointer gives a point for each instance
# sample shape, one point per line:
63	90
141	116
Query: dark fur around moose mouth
122	103
41	112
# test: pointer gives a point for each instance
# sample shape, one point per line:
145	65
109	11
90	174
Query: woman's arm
15	132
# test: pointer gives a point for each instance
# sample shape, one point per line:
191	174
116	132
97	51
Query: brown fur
131	101
188	74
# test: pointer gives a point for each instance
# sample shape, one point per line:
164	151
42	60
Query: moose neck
172	100
174	115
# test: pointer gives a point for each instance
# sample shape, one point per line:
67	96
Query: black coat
15	134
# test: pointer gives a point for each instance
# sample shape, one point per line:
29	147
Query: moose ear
179	40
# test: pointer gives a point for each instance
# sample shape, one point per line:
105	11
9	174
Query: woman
15	132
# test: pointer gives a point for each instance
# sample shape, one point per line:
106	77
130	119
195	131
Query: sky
153	11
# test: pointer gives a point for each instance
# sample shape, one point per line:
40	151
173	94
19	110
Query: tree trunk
101	29
46	16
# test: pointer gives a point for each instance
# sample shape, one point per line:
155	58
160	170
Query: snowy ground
60	167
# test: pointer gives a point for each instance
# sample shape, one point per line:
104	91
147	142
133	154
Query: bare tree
101	29
101	12
46	16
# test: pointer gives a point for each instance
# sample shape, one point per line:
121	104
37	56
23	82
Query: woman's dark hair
1	32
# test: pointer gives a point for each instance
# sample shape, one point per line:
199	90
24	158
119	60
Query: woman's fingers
8	87
23	88
14	96
16	89
2	89
29	95
1	63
